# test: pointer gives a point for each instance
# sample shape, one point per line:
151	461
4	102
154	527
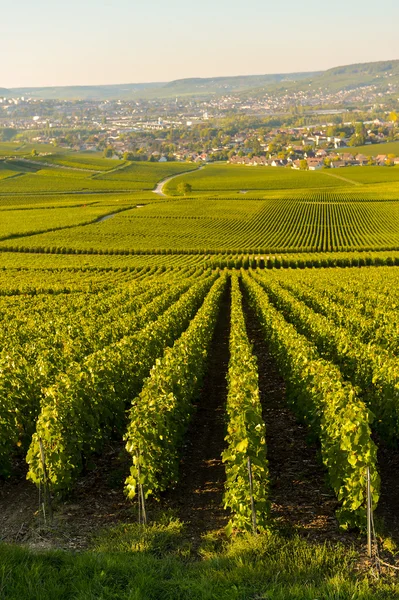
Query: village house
202	158
314	164
361	159
257	160
381	159
348	158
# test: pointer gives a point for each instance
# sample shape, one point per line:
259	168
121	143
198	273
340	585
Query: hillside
86	92
380	74
181	87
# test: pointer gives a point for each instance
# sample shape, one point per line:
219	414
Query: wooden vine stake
47	495
369	515
251	491
141	499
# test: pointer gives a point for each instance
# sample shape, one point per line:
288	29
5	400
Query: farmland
373	149
83	161
231	177
194	369
236	226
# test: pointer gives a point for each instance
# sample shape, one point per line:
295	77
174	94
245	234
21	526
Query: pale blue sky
49	42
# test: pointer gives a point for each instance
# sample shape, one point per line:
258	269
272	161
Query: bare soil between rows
301	499
300	496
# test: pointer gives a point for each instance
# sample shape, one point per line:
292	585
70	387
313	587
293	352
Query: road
159	189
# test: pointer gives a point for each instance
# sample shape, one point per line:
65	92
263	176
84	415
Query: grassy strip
132	563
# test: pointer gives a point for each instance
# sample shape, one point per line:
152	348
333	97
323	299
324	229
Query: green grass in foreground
158	563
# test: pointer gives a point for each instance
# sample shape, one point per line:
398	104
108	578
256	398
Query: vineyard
206	379
239	177
82	373
212	226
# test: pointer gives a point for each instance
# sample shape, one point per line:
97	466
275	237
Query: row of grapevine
368	366
87	402
325	402
160	413
272	226
247	481
372	317
263	258
28	368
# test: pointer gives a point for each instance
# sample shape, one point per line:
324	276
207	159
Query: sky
92	42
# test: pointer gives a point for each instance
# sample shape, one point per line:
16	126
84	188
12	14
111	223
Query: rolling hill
382	75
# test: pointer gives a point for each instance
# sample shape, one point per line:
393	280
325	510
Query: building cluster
227	127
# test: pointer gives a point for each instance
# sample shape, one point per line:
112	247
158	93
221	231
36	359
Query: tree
108	152
7	134
184	188
303	165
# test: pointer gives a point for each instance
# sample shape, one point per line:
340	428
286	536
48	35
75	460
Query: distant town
300	130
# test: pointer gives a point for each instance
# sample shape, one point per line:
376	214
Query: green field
369	175
27	222
147	173
224	364
373	149
237	177
242	226
5	173
66	176
90	161
282	211
23	148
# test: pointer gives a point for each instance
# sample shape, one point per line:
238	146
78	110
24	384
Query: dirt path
159	189
300	497
324	171
97	501
198	497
